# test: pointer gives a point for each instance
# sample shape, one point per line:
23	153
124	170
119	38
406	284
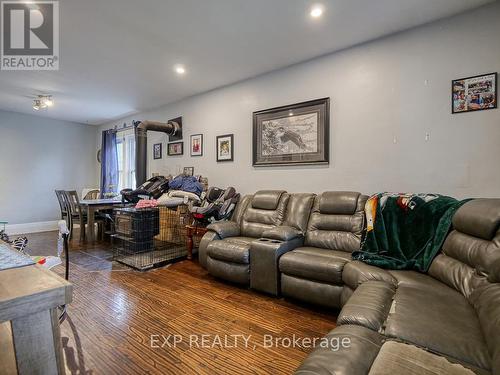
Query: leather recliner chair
313	272
228	251
212	235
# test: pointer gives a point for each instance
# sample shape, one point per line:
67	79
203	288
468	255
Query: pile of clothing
182	190
189	184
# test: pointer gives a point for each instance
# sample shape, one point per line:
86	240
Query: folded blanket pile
406	231
146	203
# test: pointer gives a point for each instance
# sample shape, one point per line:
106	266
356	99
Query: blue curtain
109	164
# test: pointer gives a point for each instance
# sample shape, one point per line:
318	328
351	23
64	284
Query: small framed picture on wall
188	171
177	136
157	148
197	145
225	150
474	93
175	149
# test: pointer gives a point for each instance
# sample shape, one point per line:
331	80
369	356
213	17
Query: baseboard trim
41	226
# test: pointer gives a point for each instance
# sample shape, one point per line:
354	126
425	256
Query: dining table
91	206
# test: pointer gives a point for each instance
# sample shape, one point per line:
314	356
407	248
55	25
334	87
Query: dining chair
75	213
92	194
63	236
79	215
62	203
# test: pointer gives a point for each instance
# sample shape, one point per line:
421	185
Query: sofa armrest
369	305
345	350
356	273
203	247
264	263
283	233
225	229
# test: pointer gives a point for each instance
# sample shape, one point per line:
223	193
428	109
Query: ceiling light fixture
49	102
316	11
179	69
42	102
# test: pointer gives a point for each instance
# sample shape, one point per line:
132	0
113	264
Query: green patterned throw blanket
405	231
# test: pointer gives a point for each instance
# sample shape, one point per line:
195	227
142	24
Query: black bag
153	188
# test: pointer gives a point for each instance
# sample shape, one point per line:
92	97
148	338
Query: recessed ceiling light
179	69
316	11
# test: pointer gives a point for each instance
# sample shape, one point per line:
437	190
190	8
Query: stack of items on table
182	190
169	191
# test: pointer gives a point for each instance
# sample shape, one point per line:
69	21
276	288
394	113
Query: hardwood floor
117	314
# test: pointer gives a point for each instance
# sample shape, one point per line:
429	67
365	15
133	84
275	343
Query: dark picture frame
296	134
476	93
157	151
196	145
225	147
171	149
178	135
188	171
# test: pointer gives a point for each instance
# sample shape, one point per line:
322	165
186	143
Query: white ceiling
117	56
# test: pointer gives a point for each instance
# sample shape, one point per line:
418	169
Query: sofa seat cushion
231	249
402	359
361	346
418	280
311	291
438	318
234	272
315	264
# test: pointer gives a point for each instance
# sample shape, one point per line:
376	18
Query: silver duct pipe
141	144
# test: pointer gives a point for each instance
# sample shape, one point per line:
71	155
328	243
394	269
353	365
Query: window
125	146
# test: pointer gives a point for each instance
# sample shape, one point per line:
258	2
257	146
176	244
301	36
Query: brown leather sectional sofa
396	322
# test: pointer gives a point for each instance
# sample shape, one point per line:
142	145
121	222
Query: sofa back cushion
336	221
471	252
298	210
265	211
240	208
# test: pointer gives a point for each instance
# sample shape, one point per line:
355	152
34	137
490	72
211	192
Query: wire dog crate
150	237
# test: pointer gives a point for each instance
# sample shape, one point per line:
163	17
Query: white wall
37	156
385	97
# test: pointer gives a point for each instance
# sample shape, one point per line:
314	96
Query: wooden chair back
92	194
73	203
62	202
